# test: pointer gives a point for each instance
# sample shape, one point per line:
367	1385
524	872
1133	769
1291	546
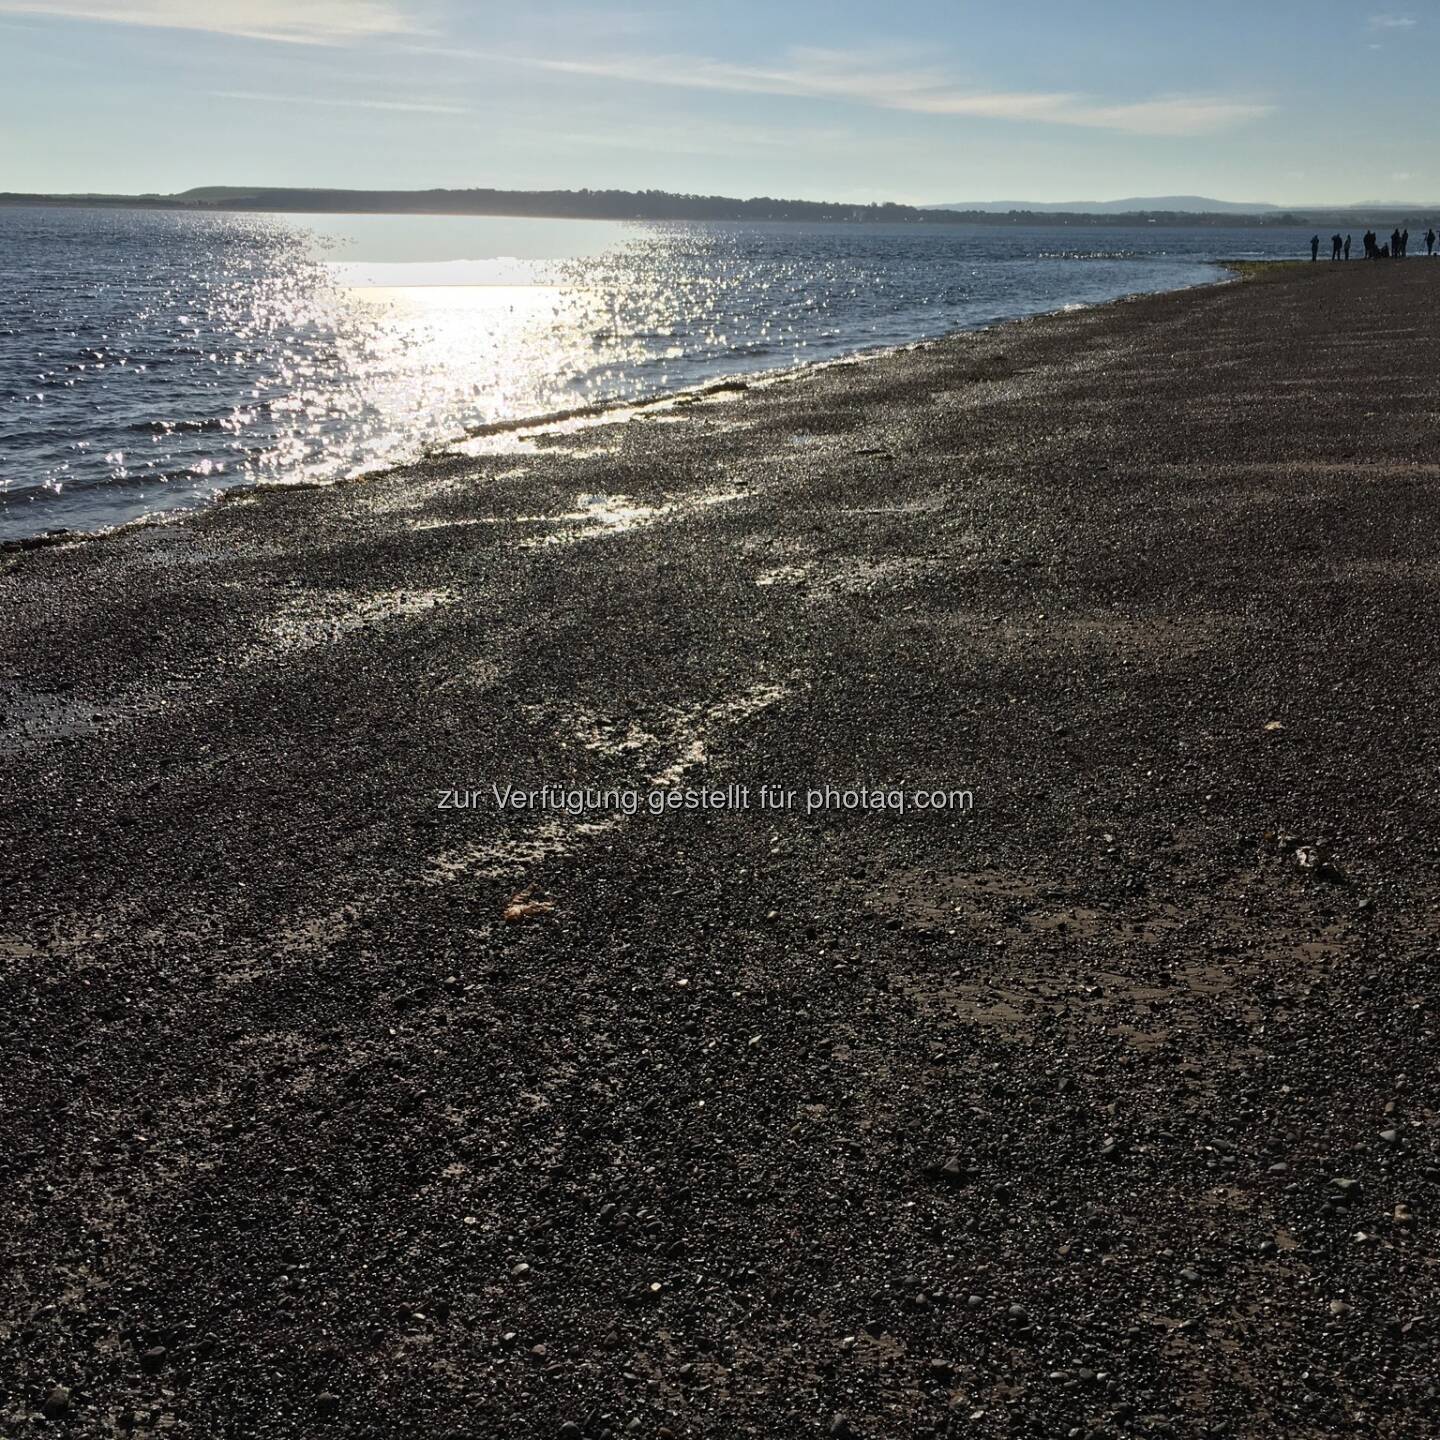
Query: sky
919	101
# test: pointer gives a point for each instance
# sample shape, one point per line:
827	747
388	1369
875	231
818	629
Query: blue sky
915	100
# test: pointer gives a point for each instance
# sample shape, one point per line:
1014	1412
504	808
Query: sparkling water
151	359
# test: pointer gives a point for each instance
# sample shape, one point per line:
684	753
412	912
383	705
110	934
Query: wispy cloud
840	75
708	139
1393	22
303	22
409	107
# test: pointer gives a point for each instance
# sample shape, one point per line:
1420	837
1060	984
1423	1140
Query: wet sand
1106	1107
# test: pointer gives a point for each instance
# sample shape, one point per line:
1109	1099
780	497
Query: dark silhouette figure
1369	241
1430	241
1395	243
1405	242
1384	253
1315	248
1336	245
1347	247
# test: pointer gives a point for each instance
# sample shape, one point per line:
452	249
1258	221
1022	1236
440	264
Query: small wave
209	424
1112	255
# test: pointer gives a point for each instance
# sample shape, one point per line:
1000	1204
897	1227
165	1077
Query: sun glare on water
454	355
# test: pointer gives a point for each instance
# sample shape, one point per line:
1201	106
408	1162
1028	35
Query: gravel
1085	1111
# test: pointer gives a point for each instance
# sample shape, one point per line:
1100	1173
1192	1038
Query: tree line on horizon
659	205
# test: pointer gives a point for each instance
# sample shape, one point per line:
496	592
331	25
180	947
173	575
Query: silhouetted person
1384	253
1347	247
1395	251
1430	241
1336	245
1315	248
1405	242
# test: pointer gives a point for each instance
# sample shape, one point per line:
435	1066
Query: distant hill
1170	204
210	194
1195	205
1187	211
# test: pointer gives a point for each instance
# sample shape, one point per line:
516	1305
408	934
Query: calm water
150	360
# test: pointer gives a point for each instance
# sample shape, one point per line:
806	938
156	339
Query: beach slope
341	1099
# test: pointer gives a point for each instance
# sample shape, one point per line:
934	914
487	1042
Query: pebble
57	1403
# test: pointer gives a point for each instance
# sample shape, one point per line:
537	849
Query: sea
151	360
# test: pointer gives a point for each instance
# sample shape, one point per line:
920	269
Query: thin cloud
839	75
707	139
409	107
1393	22
297	22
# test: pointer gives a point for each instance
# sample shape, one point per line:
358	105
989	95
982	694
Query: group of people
1396	248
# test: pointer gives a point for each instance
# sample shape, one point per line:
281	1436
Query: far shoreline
952	219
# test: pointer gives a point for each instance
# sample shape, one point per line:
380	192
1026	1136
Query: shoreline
337	1108
542	424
